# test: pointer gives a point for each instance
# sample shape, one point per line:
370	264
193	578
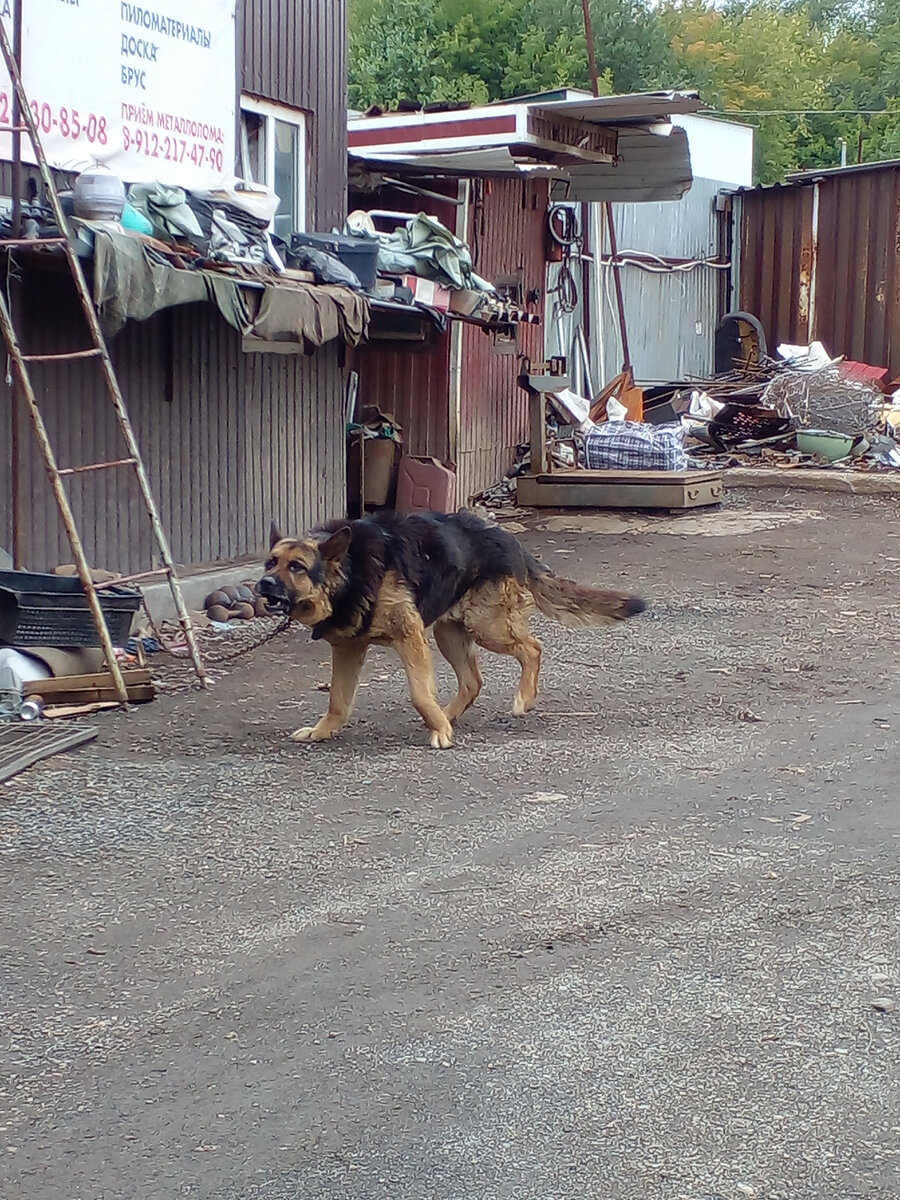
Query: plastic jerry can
425	485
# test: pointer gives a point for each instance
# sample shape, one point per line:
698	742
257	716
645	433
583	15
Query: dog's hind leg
346	663
416	658
456	645
497	618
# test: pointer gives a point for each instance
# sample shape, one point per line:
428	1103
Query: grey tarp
426	247
131	284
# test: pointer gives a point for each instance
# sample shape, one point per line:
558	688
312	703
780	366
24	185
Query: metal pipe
620	299
813	265
457	331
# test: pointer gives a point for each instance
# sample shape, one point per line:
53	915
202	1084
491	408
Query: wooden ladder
23	122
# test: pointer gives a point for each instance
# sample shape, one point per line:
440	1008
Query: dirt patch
630	946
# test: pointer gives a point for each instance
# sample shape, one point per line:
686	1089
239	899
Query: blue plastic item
135	221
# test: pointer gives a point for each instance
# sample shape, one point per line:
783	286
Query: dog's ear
274	535
336	546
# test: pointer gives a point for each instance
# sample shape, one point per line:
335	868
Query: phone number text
67	122
172	149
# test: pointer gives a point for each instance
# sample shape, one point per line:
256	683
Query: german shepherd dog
382	580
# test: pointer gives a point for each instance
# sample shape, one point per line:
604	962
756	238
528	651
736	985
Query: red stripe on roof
405	134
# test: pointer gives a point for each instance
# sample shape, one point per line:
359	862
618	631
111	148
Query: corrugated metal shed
230	440
509	219
820	259
294	51
506	222
671	315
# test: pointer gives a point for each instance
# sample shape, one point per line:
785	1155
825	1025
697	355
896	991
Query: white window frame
273	112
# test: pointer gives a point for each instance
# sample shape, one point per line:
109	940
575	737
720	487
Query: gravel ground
641	944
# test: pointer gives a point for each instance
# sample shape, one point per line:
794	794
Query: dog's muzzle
274	593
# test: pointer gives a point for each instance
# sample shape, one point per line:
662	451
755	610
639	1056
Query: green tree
804	61
477	50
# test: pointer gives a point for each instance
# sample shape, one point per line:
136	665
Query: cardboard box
426	291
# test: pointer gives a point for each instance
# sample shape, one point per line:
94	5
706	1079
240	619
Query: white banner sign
147	88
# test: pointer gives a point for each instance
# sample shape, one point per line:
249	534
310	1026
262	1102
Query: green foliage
755	56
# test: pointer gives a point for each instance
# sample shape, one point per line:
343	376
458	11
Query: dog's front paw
441	739
311	733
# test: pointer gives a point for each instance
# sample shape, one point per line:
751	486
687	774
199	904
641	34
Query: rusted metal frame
93	323
62	500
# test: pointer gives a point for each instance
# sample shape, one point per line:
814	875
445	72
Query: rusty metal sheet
506	234
820	258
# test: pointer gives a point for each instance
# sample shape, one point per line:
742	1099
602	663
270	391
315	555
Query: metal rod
109	583
620	299
69	356
119	462
14	468
34	243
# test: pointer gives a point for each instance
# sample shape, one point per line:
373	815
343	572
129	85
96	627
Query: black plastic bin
52	610
358	254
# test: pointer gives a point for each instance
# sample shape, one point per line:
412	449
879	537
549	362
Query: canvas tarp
132	282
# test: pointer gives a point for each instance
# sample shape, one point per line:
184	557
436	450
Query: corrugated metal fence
670	314
820	259
508	222
231	440
294	51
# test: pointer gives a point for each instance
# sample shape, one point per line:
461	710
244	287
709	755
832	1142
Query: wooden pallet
620	489
92	689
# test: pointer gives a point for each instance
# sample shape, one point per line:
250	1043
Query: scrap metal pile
804	409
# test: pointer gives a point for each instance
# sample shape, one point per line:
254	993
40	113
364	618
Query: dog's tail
572	603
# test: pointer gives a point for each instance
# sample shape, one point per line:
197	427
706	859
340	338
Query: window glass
286	180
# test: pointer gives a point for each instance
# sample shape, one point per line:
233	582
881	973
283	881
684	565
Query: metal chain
267	637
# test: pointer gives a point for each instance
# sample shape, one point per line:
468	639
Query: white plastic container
98	195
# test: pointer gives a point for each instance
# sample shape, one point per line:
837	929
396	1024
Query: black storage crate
52	610
358	254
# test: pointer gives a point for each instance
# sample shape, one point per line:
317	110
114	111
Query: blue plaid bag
634	446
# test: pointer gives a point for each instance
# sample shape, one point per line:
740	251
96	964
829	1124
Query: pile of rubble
805	409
